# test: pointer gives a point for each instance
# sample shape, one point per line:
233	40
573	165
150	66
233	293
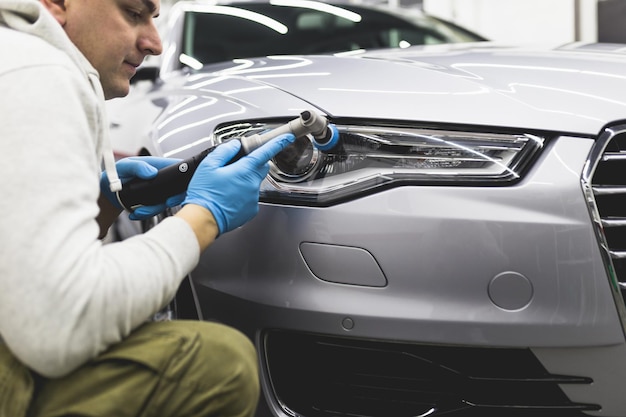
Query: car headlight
369	158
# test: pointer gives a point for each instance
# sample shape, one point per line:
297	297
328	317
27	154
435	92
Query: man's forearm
202	223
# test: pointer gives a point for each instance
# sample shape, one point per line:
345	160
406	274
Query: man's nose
150	40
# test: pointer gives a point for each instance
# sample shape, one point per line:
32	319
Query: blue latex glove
231	192
144	167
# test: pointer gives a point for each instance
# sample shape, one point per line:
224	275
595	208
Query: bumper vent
321	376
607	198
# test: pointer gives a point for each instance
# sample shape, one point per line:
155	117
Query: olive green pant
169	369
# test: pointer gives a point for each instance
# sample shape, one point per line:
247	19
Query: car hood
576	89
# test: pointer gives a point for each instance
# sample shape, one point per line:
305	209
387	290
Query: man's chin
116	91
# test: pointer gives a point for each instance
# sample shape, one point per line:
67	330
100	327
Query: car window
258	29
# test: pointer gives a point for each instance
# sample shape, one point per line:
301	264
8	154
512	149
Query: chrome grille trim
601	191
618	255
613	156
614	222
607	189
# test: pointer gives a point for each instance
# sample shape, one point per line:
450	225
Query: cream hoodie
64	295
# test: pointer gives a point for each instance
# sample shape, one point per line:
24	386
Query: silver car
459	253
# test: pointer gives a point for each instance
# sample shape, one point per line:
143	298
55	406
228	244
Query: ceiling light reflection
182	113
322	7
190	61
247	66
205	120
252	16
350	53
481	90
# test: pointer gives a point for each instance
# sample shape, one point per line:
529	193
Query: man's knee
239	367
224	369
228	352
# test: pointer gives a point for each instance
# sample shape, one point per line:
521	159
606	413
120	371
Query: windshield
219	33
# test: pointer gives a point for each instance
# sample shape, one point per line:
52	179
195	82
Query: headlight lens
368	158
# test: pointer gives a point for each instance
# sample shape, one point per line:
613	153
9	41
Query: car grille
606	172
315	376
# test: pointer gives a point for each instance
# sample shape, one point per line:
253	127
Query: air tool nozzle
325	136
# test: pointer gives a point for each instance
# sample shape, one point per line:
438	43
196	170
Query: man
74	333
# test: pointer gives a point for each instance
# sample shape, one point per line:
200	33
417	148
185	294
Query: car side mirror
145	74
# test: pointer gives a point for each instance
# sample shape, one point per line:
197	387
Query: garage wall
525	21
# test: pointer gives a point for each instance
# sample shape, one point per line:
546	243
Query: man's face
115	36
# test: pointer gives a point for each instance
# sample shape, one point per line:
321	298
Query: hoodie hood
29	16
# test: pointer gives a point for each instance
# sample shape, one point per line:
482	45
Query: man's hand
231	192
144	167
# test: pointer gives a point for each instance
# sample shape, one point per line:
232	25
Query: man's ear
56	8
